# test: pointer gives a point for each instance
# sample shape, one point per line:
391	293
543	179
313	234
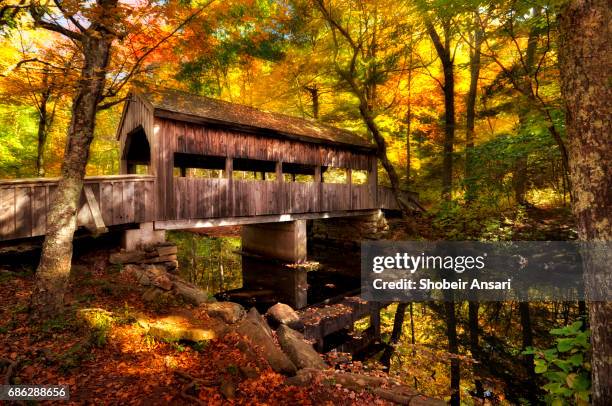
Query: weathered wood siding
122	199
177	136
217	198
137	114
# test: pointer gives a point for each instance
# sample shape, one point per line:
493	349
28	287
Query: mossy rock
95	318
178	327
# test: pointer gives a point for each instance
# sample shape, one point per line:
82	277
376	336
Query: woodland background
462	97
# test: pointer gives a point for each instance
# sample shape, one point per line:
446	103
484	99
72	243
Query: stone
156	295
256	330
163	282
190	293
182	327
229	312
281	313
254	315
301	353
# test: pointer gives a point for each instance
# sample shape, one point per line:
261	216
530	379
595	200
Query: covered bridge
190	161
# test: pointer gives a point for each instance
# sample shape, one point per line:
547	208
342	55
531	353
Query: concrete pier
284	241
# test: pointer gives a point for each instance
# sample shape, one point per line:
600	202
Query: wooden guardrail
106	200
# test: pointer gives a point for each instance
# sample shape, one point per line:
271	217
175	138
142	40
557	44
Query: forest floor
129	367
125	366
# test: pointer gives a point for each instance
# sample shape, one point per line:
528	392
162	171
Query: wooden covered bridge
189	161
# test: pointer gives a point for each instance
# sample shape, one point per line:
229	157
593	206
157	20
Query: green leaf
564	365
565	344
540	367
580	382
576	359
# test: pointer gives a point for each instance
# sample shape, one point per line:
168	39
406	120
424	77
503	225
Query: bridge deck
198	202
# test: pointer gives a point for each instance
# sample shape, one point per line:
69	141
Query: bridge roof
185	106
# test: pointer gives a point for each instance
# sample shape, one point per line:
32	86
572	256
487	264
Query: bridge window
335	175
359	177
298	172
253	169
198	166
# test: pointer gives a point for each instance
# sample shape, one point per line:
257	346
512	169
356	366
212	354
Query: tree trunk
475	347
444	53
471	111
43	125
527	336
54	267
453	348
585	64
314	97
519	176
396	334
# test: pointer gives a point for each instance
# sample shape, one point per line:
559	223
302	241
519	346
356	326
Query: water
215	264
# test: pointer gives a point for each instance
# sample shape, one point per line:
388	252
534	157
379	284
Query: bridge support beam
284	241
145	235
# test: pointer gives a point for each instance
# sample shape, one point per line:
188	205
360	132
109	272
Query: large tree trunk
584	57
470	116
443	49
54	267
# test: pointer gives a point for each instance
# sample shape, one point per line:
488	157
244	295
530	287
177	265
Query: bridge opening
293	172
137	152
335	175
199	166
253	169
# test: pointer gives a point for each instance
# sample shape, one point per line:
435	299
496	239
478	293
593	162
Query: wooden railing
105	201
199	198
125	199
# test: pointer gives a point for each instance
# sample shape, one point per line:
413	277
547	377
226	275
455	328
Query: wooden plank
7	213
23	212
149	199
128	201
94	209
106	202
118	215
39	210
139	202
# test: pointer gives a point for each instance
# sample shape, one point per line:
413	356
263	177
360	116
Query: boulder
254	328
301	353
181	327
229	312
156	295
281	313
190	293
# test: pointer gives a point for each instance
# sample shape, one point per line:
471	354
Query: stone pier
271	254
144	236
350	230
284	241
